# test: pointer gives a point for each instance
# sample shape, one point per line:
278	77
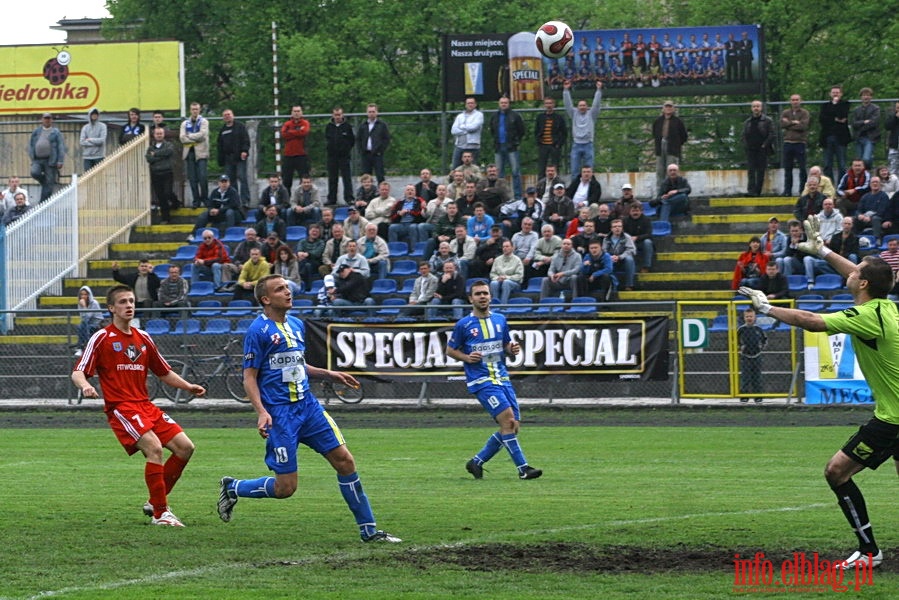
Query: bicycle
227	367
343	392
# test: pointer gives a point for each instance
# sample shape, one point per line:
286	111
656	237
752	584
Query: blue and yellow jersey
278	350
489	336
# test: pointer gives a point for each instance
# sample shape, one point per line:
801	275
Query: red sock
174	466
153	474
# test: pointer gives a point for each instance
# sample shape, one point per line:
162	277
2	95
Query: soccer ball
554	39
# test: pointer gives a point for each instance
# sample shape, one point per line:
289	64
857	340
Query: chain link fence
36	359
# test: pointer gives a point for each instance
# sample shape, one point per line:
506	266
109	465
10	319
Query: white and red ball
554	39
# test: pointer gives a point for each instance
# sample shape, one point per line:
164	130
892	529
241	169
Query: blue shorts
497	398
304	422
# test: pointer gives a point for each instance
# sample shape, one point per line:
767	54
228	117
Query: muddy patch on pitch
566	557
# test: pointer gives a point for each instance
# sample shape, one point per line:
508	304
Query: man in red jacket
294	132
211	255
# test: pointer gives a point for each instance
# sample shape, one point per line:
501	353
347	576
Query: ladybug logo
56	70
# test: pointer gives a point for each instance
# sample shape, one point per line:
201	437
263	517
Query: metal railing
57	237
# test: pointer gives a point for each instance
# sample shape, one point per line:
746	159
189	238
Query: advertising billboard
660	61
73	78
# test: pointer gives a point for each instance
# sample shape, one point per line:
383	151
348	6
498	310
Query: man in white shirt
7	200
467	132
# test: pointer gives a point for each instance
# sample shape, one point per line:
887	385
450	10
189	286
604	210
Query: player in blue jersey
480	341
276	378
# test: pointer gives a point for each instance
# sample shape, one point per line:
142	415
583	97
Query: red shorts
131	420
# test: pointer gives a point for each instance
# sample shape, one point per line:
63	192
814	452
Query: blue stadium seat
648	210
187	270
391	306
398	249
295	233
887	238
584	305
660	228
533	286
548	305
233	235
828	282
519	305
408	286
302	306
810	302
719	323
841	302
242	326
217	327
867	243
239	308
419	250
208	308
187	326
184	253
201	288
403	268
157	327
315	287
341	213
383	286
797	283
162	271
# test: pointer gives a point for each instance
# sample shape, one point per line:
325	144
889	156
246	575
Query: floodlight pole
275	94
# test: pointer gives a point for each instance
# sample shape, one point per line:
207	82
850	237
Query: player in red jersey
121	355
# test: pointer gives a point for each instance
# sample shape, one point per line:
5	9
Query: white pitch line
327	558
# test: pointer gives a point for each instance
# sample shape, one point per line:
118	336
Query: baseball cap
531	190
352	209
559	186
627	186
774	220
668	103
224	178
47	116
343	266
329	281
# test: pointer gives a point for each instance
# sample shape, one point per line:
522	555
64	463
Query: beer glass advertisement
674	61
491	65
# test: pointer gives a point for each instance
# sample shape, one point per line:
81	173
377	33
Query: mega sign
611	348
112	76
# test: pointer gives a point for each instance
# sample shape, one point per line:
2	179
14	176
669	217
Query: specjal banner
73	78
603	349
832	374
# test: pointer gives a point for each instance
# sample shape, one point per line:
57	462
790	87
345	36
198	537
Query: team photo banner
597	349
73	78
661	61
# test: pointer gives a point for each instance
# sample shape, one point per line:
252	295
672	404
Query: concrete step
755	218
57	302
674	295
33	340
73	284
762	201
737	241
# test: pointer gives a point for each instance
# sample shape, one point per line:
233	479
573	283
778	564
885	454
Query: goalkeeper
873	324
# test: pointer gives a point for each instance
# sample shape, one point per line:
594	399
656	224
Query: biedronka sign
76	77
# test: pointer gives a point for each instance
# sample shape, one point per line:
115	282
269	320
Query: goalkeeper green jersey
874	327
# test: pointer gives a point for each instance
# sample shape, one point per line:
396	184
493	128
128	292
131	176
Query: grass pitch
621	512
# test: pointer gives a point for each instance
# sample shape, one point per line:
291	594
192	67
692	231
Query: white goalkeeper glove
758	297
813	243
